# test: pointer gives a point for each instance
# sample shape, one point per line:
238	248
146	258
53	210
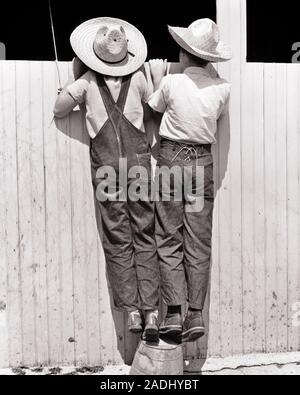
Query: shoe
151	333
172	327
193	327
135	322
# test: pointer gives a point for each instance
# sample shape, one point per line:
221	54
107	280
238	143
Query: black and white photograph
150	191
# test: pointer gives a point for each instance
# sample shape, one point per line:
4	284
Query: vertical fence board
248	279
237	39
4	357
91	260
225	205
53	212
294	301
214	337
38	212
79	248
281	204
10	185
270	198
293	185
25	213
65	234
257	98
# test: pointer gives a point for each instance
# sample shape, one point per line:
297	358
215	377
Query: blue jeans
184	234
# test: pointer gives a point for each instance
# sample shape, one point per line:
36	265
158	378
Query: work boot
135	322
151	333
171	327
193	327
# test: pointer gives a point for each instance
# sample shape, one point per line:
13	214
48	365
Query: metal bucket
164	359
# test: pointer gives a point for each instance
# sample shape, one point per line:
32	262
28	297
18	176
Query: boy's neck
192	64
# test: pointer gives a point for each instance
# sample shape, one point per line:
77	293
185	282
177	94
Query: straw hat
202	39
110	46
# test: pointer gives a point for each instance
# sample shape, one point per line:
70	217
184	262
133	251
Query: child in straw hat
113	91
191	104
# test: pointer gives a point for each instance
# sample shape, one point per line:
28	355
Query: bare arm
64	104
158	68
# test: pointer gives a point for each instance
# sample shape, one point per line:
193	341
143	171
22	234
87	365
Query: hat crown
205	34
111	44
202	39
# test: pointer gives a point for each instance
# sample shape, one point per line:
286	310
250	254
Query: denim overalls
128	226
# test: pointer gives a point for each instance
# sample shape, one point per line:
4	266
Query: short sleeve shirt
86	91
192	103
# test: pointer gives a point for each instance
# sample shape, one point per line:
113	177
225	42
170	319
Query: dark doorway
26	32
273	28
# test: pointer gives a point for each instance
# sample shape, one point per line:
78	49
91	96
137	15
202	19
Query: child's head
200	43
186	60
110	46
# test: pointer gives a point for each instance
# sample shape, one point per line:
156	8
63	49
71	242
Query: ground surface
272	370
290	369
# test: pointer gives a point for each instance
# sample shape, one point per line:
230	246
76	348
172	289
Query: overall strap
143	70
124	93
106	95
107	98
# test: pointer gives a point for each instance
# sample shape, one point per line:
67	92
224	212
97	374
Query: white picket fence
54	300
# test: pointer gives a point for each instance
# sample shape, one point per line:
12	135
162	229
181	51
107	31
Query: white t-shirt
86	90
192	103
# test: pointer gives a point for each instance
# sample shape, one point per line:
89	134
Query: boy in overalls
113	90
191	104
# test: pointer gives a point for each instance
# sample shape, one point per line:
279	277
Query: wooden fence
54	300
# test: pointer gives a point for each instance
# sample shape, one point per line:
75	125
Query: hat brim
82	42
180	35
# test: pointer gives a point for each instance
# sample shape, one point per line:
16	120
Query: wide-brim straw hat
110	46
202	39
